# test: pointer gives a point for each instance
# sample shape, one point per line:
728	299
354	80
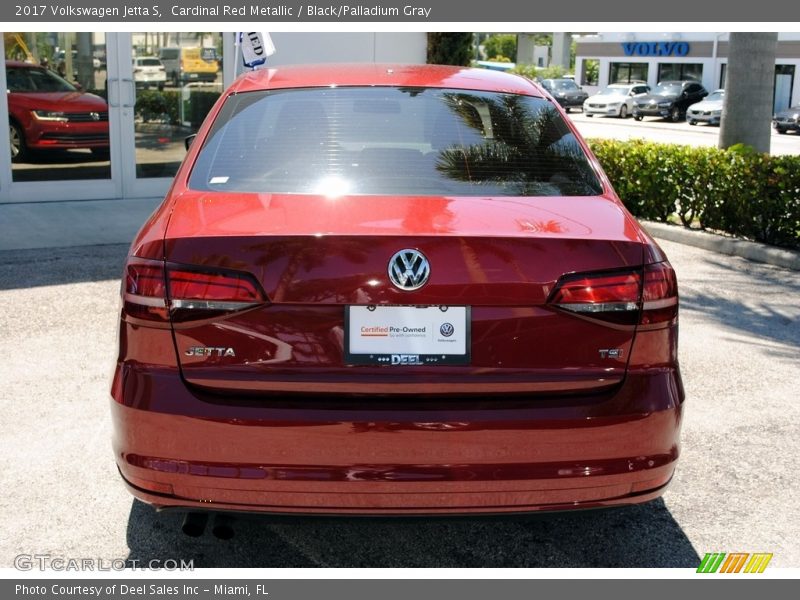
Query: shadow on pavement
56	266
773	317
637	536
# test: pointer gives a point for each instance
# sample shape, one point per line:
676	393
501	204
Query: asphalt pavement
734	490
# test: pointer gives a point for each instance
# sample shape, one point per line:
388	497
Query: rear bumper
605	111
571	102
651	112
700	118
371	458
788	126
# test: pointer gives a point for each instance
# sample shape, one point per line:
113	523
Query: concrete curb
779	257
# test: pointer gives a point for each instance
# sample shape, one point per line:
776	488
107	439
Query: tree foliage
501	44
449	49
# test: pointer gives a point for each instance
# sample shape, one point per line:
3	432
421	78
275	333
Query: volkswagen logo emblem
409	269
447	329
95	116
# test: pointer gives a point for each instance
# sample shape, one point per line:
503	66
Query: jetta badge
409	269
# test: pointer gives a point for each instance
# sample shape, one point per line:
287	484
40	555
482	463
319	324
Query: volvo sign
655	48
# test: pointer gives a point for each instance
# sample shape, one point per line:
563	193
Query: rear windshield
149	62
386	140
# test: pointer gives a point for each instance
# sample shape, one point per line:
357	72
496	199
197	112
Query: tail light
647	296
155	291
144	295
659	295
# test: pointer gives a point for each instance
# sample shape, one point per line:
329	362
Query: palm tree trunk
749	91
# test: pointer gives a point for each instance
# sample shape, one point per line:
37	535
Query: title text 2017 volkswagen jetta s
391	289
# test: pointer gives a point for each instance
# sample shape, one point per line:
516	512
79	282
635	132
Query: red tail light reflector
145	290
157	292
195	293
647	296
659	294
612	296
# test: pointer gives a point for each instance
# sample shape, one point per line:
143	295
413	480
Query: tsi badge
406	359
206	351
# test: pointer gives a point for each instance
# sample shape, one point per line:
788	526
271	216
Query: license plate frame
385	343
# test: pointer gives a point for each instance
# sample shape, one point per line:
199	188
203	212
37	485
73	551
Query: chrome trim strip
588	307
663	303
210	304
145	300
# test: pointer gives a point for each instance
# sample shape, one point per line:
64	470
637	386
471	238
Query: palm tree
749	91
530	149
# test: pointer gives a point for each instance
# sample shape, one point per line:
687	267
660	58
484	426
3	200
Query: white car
149	71
615	100
709	110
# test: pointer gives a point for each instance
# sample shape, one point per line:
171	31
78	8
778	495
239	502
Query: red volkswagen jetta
382	289
46	112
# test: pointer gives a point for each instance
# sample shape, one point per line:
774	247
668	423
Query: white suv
147	71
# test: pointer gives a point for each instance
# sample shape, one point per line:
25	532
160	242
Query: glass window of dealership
95	115
654	57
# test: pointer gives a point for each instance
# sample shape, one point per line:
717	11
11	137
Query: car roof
385	74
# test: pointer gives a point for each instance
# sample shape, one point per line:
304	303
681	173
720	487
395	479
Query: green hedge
154	104
738	191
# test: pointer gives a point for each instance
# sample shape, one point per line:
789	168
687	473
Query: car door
636	91
693	93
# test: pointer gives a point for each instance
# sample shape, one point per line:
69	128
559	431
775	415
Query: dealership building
152	89
654	57
135	96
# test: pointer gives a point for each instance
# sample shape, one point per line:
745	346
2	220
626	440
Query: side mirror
77	86
187	141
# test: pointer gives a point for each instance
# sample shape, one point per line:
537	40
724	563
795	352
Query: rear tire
19	149
781	130
692	122
637	117
590	115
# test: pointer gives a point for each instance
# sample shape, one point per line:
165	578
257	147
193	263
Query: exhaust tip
194	524
223	527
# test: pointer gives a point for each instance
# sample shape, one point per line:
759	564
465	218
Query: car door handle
113	91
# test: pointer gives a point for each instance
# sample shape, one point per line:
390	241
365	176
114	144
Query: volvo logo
409	269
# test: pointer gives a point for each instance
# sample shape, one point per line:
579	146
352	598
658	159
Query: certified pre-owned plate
407	335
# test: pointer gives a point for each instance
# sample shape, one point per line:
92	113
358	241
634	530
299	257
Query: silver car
615	100
708	111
